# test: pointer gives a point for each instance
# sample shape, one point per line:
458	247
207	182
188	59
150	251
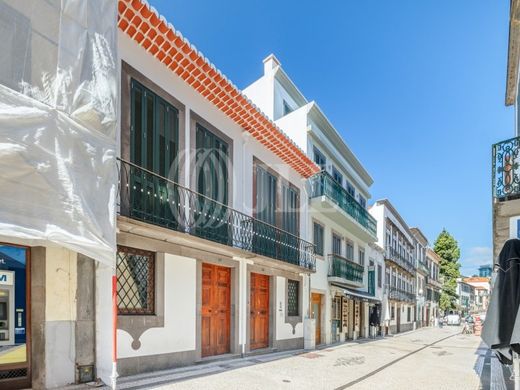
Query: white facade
172	336
339	236
400	250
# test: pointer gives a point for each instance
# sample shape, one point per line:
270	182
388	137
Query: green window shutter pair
154	132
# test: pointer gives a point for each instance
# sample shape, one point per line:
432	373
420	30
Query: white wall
60	316
284	331
178	333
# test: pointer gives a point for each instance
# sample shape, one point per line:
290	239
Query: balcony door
212	160
290	208
265	240
154	138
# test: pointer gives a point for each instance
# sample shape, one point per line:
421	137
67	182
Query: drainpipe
113	376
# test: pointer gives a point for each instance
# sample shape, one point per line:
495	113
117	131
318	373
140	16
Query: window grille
135	281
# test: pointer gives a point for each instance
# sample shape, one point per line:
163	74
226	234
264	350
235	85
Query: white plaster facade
176	341
306	124
399	245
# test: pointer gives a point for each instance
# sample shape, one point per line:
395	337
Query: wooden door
259	310
216	309
316	314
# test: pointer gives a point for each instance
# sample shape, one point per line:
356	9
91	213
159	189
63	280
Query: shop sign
6	278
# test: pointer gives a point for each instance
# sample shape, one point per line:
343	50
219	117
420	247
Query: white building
344	286
421	244
211	252
433	287
482	289
228	244
399	245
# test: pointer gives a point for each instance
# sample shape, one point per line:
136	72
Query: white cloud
475	257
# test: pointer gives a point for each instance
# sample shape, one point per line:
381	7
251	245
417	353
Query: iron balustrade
398	294
505	178
323	184
399	259
151	198
342	267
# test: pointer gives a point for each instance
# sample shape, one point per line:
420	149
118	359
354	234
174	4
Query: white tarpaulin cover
58	117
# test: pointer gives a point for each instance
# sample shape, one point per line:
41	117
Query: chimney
270	62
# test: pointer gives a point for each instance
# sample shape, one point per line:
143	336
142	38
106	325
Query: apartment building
421	245
399	245
482	289
433	287
343	289
212	225
194	223
466	297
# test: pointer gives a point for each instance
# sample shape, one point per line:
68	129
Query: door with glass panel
14	319
289	242
265	235
212	155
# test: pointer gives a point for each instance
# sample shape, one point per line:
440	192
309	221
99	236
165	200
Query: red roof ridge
155	34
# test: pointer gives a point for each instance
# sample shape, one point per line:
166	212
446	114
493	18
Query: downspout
113	376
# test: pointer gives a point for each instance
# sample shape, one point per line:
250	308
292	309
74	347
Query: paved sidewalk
429	358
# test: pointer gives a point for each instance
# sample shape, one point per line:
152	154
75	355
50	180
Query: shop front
14	321
353	314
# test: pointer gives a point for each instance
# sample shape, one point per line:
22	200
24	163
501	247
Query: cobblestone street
423	359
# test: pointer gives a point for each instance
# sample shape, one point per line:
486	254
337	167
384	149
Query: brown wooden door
259	311
216	309
316	314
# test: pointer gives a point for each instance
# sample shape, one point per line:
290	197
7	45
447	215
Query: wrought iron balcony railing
323	184
342	267
406	263
148	197
505	159
398	294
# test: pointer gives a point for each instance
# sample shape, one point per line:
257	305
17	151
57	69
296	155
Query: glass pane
161	123
149	131
13	311
137	115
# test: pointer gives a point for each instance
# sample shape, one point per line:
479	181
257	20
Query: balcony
148	197
394	256
343	270
329	197
423	267
505	178
397	294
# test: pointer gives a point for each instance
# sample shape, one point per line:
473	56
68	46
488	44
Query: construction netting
58	123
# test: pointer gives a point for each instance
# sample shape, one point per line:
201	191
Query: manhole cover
352	361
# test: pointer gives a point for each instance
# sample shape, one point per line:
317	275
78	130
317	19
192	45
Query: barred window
135	281
293	298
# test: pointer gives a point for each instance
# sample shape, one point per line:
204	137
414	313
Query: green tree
448	250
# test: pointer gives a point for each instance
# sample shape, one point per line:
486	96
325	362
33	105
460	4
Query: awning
357	295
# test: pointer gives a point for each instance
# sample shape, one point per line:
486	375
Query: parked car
453	319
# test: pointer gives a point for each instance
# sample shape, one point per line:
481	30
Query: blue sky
416	88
